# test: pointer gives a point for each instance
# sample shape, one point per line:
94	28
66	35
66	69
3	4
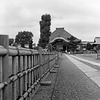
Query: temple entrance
64	48
60	45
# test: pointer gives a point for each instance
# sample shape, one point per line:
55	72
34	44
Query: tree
89	46
30	44
73	42
11	41
44	30
23	38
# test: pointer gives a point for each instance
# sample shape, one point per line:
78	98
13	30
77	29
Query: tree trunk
23	45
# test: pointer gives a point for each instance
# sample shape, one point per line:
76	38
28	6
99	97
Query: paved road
73	84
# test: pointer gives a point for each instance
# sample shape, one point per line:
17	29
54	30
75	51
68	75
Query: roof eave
58	38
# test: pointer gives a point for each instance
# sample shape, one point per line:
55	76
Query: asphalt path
73	84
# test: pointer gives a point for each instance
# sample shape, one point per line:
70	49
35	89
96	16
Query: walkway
73	82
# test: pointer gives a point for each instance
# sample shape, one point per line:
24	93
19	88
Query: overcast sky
81	18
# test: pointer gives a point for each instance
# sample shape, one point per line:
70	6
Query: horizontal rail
15	51
3	51
3	84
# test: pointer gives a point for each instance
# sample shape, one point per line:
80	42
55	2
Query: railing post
7	95
41	59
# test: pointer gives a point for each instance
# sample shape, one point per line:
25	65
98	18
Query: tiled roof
60	32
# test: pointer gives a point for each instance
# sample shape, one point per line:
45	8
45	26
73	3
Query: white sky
81	18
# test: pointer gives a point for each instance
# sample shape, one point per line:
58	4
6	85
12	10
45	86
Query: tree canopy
44	30
73	43
89	46
23	38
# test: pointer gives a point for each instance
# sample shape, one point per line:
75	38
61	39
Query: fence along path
21	70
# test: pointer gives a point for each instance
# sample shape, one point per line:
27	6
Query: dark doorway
64	48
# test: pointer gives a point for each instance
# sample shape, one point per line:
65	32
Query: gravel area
72	84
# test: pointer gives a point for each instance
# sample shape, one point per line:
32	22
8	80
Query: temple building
59	39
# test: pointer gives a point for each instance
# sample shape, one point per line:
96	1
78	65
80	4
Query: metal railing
21	70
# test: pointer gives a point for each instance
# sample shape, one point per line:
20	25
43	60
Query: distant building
97	40
59	39
84	44
97	43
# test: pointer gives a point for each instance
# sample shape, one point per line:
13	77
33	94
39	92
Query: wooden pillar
41	59
14	97
4	41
